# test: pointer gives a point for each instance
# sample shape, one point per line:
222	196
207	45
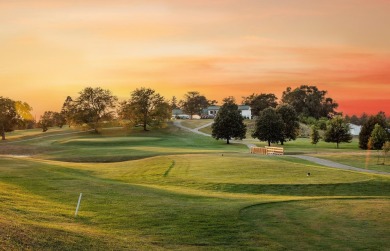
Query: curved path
319	161
329	163
196	130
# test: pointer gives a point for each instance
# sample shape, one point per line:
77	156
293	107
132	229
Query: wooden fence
268	150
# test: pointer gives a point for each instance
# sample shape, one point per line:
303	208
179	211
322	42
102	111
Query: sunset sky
51	49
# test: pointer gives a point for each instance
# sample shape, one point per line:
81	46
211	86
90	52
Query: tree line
276	121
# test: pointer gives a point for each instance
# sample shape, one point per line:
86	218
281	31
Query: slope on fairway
113	145
180	193
205	201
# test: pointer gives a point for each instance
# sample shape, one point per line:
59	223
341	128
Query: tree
368	126
363	119
145	107
59	119
49	119
377	139
46	120
92	106
67	110
174	103
354	120
386	149
269	126
337	131
259	102
309	101
290	122
26	119
314	135
194	103
12	113
228	123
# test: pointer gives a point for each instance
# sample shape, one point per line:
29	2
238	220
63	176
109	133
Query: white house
245	110
355	129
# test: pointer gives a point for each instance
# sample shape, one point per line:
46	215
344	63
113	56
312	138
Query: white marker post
78	205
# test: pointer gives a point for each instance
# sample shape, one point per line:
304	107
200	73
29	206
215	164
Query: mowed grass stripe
206	202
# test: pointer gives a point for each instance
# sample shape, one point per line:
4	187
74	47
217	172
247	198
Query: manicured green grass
326	224
361	159
25	134
181	191
119	145
250	123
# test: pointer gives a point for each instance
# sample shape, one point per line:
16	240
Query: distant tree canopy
12	114
91	107
368	126
259	102
145	107
337	131
193	103
309	101
229	122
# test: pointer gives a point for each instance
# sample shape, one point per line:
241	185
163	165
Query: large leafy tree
193	103
229	122
269	126
13	113
337	131
145	107
309	101
259	102
368	126
92	106
290	122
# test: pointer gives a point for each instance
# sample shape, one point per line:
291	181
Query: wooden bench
268	150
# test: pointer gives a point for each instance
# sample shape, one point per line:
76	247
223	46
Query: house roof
240	107
244	107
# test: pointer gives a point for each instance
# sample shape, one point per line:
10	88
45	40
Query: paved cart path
333	164
319	161
196	130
